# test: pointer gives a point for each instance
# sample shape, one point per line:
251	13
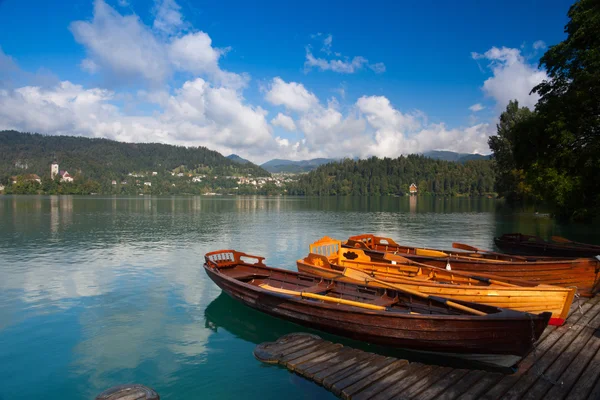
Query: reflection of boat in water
245	323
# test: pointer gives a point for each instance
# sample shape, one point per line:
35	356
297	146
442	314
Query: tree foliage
555	151
510	180
375	176
107	159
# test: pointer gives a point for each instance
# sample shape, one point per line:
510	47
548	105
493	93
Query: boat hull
533	299
519	244
582	273
505	333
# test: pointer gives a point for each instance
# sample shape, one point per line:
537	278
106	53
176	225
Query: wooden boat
328	259
517	243
582	273
377	315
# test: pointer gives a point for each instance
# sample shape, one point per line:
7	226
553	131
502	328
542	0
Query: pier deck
564	365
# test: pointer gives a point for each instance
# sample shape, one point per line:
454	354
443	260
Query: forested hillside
387	176
103	159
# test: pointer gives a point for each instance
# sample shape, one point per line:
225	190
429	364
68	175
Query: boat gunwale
501	314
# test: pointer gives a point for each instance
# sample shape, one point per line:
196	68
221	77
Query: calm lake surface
96	292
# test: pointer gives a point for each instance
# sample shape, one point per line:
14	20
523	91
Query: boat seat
246	276
384	301
316	289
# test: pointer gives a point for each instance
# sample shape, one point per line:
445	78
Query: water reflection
96	291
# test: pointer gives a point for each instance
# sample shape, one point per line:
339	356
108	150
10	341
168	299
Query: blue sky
274	79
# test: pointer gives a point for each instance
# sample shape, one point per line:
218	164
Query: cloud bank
206	105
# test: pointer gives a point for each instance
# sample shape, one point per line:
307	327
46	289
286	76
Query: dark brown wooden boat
377	315
582	273
516	243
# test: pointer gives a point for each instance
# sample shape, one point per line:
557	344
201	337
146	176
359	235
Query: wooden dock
564	365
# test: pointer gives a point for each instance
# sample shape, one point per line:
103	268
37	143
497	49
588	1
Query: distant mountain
456	157
278	165
238	159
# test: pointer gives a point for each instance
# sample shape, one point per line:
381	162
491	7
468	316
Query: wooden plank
595	394
369	369
541	347
554	371
343	357
351	390
546	360
321	360
585	383
406	382
330	347
440	387
358	357
575	370
289	348
424	383
270	352
460	387
303	351
479	390
351	370
387	381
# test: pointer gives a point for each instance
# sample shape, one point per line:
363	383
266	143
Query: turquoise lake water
96	292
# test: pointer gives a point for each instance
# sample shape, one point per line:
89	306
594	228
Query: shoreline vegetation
101	166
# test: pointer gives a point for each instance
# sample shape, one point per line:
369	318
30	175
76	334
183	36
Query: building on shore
28	177
55	171
413	188
65	176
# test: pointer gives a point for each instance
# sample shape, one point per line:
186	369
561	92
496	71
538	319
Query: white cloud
168	18
327	44
539	44
476	107
292	95
379	127
122	45
89	66
125	49
378	68
196	114
345	65
284	121
513	78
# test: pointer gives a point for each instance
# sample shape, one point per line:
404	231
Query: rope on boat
536	367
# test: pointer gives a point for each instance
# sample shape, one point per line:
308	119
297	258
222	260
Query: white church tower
54	169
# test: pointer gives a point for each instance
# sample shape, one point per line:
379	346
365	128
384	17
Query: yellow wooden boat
329	259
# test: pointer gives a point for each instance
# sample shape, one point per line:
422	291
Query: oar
560	239
321	297
467	247
397	258
361	276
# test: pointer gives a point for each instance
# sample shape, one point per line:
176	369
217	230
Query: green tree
562	153
510	180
